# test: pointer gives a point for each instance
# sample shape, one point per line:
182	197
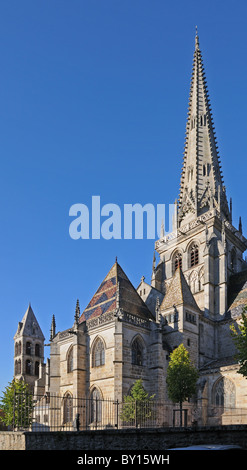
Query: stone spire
53	328
77	312
201	186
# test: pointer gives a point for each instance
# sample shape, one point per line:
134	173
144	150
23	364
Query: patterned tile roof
116	284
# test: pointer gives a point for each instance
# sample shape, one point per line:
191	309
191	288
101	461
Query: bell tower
204	243
29	349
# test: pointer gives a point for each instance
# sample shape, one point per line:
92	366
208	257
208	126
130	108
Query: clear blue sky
93	101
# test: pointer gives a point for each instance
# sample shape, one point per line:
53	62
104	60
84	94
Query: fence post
96	412
136	413
117	414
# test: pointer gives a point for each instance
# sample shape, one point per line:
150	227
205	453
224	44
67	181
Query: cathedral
198	289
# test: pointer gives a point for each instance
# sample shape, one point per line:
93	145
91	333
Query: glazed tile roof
105	298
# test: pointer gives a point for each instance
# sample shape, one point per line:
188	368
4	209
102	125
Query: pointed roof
116	291
29	325
201	186
179	293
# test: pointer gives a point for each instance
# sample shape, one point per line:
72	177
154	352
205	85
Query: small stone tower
29	349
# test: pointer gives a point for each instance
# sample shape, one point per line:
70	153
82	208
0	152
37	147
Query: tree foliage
181	377
137	405
239	335
17	405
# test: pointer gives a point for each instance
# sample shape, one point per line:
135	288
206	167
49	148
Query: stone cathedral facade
198	289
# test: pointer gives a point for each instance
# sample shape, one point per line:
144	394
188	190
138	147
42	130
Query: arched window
28	348
68	408
98	357
194	255
28	367
70	360
177	261
137	352
36	369
19	367
224	393
37	349
95	406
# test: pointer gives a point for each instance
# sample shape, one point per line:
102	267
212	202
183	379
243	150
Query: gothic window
37	349
68	408
95	406
224	393
16	366
137	352
98	358
36	368
28	348
190	317
194	255
19	367
28	367
70	360
177	261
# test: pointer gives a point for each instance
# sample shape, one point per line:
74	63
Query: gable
115	289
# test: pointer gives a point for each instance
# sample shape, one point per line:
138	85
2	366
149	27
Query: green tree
239	335
137	405
181	377
17	405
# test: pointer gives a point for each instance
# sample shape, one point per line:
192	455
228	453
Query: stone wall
131	439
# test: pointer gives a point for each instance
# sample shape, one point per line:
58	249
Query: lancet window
177	261
98	358
194	255
137	352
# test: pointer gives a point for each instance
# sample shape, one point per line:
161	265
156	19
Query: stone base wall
131	439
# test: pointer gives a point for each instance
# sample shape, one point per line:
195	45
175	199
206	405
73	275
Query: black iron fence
52	412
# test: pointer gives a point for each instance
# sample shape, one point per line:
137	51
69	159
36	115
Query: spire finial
77	312
240	227
53	328
154	262
197	39
162	229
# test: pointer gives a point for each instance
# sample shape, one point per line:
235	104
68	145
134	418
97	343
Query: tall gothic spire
201	186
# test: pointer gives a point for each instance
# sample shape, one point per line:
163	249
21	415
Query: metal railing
52	412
